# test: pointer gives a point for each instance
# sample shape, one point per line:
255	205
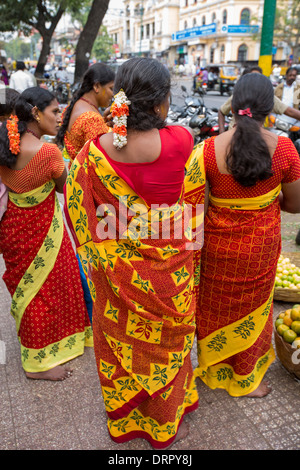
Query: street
212	99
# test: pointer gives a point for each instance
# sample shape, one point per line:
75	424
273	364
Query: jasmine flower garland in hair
120	111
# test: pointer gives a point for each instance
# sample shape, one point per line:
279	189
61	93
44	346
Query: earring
157	110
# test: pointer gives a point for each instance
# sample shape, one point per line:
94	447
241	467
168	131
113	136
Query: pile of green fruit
287	274
287	325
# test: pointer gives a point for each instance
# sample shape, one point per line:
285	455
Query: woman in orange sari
251	174
42	273
123	190
82	119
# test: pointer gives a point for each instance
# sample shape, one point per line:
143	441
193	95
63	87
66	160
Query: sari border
144	435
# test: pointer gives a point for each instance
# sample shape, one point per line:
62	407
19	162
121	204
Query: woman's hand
107	116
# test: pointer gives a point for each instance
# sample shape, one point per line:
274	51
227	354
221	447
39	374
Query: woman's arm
289	198
60	182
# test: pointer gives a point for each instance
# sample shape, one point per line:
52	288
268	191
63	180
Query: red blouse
285	167
159	181
46	164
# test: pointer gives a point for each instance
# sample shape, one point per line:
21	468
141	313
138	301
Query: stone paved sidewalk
70	415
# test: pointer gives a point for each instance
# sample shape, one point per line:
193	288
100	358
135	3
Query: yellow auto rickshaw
222	77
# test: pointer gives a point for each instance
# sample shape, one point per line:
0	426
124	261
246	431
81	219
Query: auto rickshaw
222	78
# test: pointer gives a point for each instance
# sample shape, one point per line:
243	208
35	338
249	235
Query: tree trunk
39	72
46	33
87	37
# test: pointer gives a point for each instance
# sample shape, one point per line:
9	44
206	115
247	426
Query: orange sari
144	299
87	126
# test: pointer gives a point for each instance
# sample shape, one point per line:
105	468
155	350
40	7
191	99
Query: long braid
67	115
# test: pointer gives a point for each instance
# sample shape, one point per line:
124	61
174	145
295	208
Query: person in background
205	75
82	119
61	74
289	91
20	80
42	273
252	174
4	75
144	309
279	106
8	98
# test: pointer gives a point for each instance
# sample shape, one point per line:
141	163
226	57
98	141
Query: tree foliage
41	15
287	24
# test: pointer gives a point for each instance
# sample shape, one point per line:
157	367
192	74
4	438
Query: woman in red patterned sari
252	174
42	273
142	280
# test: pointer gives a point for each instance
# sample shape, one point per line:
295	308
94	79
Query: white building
189	31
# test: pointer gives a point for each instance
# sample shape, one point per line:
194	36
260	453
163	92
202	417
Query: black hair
254	68
97	73
291	69
146	83
30	98
249	159
8	100
20	65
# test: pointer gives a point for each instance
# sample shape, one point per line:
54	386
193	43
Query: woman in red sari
42	273
251	174
131	182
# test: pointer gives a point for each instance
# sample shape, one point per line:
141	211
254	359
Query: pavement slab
70	415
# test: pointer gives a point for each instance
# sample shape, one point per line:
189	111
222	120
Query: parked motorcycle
281	126
182	114
205	126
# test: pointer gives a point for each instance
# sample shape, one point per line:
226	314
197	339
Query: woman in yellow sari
252	174
140	274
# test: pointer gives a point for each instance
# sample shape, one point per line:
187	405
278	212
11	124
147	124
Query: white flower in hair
120	111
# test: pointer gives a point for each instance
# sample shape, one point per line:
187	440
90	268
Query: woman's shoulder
177	132
50	148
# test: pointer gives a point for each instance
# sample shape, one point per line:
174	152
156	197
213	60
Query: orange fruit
282	328
281	315
278	322
287	320
289	336
295	314
295	326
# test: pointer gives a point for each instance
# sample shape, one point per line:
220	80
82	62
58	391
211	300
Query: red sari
242	244
42	273
144	298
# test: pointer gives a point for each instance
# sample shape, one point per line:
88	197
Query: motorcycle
199	86
205	126
183	114
279	125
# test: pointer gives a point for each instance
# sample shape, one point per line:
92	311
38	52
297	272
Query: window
242	53
212	50
194	22
185	25
213	17
245	16
224	17
186	3
203	20
222	53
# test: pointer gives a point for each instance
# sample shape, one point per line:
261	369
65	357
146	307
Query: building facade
191	32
